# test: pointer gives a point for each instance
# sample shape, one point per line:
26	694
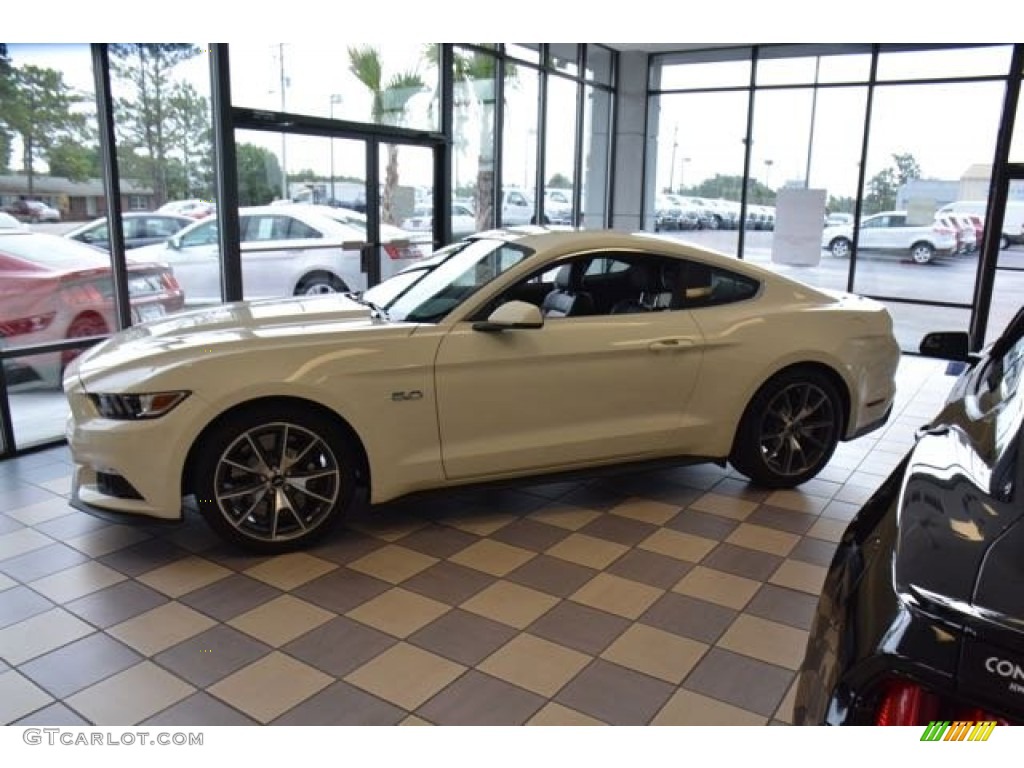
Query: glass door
1008	285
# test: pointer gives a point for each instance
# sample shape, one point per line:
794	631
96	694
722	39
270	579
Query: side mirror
947	345
174	241
513	315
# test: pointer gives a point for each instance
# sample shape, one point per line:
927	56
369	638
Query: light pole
682	175
284	138
336	98
672	165
768	173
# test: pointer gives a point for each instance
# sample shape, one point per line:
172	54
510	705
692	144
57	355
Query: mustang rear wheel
789	430
274	479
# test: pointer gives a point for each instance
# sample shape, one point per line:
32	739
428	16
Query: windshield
456	279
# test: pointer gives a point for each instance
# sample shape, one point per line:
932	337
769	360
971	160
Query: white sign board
799	219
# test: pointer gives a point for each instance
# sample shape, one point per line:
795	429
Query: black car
139	229
921	617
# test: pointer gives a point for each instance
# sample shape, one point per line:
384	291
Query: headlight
135	407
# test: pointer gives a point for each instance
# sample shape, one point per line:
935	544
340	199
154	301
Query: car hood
228	327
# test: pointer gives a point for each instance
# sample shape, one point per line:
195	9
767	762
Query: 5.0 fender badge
401	397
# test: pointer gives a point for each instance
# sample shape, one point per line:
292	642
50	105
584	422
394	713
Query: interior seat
646	281
568	299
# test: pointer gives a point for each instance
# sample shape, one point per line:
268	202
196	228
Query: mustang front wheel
274	479
789	431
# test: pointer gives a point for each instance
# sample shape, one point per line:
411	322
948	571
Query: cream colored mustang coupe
516	353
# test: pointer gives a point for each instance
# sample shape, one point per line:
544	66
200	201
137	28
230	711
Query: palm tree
390	101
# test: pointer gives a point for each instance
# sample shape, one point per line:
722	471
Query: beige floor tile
724	506
107	540
828	529
405	675
493	557
688	708
34	514
77	581
184	576
841	510
40	634
6	583
510	604
718	587
413	720
798	500
802	576
785	710
399	612
769	641
646	510
681	546
854	494
159	629
764	539
393	563
281	620
655	652
271	686
389	530
617	595
290	571
535	664
19	696
131	696
481	525
588	550
21	541
566	517
555	714
61	485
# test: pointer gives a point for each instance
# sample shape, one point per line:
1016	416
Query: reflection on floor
673	597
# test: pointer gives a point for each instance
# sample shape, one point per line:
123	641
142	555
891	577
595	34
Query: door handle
669	345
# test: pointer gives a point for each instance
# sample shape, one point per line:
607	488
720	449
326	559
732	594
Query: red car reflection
52	288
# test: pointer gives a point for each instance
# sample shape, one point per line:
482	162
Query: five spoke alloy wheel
790	430
274	484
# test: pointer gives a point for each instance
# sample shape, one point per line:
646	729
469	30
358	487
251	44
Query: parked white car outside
889	231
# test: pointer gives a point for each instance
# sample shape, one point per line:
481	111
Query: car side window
299	230
156	227
204	234
874	223
897	221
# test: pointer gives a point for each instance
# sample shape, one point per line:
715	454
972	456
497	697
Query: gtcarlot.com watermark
77	738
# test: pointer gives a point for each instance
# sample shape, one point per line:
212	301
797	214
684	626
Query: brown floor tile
406	675
689	617
56	714
577	626
342	590
530	534
654	652
717	587
827	529
782	519
392	563
115	604
292	570
739	680
144	557
565	516
439	541
593	496
802	576
399	612
622	530
479	699
450	583
646	510
617	595
70	526
200	710
79	664
785	606
41	562
342	704
462	637
682	546
267	688
702	524
770	641
131	696
535	664
551	491
587	550
615	695
510	604
346	546
20	603
764	539
493	557
552	575
107	540
814	551
212	655
281	620
724	506
689	708
555	714
230	597
339	646
740	561
650	568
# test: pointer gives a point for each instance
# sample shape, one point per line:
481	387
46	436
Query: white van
1013	218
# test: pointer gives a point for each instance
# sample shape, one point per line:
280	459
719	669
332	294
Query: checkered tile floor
673	597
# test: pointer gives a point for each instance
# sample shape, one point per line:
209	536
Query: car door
195	259
577	391
872	232
274	249
517	209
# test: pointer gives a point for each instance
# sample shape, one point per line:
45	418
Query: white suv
889	231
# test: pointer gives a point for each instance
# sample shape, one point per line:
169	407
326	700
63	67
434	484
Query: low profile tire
318	284
790	429
1004	242
921	253
840	248
274	478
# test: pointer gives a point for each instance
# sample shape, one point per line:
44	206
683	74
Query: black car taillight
904	702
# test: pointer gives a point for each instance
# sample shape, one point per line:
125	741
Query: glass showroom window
699	166
51	288
519	145
597	122
908	248
475	91
560	150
